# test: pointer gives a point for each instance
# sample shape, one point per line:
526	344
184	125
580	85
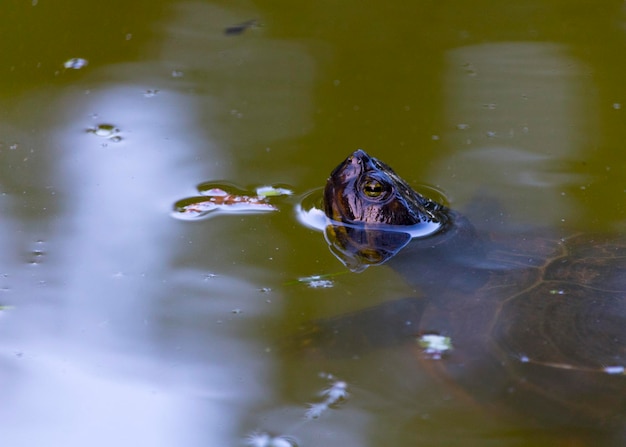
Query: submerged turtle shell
535	320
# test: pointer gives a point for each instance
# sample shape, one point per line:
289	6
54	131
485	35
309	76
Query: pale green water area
123	326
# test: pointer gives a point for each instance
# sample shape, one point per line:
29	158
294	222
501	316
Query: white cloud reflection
117	343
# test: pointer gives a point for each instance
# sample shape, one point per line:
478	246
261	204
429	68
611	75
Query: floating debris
75	63
227	199
618	370
150	93
273	191
333	396
316	410
235	30
321	284
336	393
317	282
37	253
195	207
557	292
108	131
434	345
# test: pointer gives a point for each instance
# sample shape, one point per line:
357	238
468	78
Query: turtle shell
533	320
546	329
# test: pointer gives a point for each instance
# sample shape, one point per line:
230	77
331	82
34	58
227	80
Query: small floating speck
462	126
434	345
617	106
75	63
177	73
317	282
150	93
315	410
239	28
614	369
37	253
107	131
469	69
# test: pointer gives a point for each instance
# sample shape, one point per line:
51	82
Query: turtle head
364	190
373	212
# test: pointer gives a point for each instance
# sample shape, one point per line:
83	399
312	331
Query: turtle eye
372	188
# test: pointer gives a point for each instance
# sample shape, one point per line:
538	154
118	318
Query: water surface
124	325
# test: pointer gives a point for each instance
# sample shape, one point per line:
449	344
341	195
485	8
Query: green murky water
126	326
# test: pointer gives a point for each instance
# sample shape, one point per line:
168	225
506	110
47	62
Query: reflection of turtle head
363	197
360	247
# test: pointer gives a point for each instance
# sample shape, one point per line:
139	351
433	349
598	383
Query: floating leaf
272	191
223	198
